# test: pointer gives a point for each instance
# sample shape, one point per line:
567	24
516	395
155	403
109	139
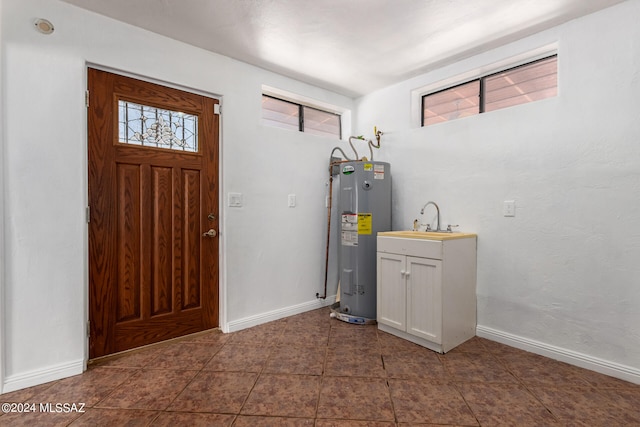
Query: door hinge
217	109
86	98
88	214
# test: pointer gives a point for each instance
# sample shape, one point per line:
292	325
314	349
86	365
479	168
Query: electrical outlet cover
509	208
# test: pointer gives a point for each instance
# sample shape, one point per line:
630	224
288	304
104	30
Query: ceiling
352	47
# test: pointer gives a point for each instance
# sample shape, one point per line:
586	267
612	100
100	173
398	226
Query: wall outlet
291	201
509	208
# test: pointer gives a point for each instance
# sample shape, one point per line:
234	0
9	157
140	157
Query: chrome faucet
438	214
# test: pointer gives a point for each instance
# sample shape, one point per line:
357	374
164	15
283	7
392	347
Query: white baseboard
41	376
602	366
258	319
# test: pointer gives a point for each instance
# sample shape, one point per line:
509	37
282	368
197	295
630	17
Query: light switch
509	208
292	201
234	200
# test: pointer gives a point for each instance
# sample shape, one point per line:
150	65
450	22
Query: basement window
525	83
285	114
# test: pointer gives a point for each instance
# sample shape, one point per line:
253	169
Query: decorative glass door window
156	127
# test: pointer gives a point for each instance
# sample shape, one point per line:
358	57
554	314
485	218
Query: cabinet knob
402	272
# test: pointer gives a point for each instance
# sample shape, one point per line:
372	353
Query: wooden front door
153	206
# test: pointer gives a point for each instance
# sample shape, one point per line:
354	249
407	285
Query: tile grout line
386	374
258	376
322	374
198	371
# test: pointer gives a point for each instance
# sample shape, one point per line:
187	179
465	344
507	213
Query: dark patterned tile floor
311	370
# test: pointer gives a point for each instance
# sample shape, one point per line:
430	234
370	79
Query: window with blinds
290	115
514	86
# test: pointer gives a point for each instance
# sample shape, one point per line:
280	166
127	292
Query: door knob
210	233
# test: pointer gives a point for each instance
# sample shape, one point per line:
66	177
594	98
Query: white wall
272	255
2	281
563	276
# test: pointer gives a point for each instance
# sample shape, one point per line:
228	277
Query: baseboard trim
602	366
258	319
41	376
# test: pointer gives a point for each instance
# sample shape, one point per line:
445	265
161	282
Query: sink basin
426	235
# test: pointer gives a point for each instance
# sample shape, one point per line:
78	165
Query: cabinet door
391	294
424	298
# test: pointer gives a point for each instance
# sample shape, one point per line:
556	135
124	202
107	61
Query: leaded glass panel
158	128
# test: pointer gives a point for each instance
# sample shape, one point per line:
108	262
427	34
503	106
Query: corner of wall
281	313
2	239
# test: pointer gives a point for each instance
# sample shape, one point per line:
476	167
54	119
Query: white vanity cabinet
426	287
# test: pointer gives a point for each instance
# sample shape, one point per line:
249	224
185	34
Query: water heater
364	206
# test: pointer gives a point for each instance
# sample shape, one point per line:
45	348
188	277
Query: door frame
222	289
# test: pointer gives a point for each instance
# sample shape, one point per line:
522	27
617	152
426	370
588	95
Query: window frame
482	88
466	82
301	107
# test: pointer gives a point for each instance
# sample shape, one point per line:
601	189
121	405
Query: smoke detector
44	26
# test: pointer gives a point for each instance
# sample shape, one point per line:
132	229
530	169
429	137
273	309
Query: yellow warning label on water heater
364	223
368	166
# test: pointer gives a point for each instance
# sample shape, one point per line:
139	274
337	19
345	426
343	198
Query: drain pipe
326	259
332	163
329	207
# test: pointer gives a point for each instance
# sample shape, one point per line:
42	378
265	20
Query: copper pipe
326	262
329	204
